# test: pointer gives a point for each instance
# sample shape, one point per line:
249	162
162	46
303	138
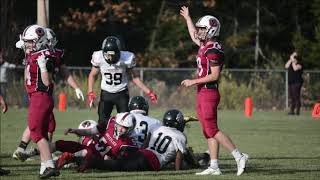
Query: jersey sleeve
215	57
95	60
128	59
180	144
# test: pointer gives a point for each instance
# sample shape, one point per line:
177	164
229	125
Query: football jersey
108	144
165	142
209	55
33	80
114	76
142	128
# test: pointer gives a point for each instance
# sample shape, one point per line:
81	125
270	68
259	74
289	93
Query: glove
42	63
152	96
79	94
190	118
91	97
20	43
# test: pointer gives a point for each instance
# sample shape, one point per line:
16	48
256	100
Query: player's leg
41	105
207	115
52	126
20	152
105	107
121	100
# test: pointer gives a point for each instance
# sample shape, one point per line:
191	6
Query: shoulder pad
96	58
127	58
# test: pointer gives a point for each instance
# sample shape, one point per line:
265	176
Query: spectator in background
4	65
295	70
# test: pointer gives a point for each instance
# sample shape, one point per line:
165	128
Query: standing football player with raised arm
116	66
21	153
210	60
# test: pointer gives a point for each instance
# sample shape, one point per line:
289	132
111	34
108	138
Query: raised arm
184	11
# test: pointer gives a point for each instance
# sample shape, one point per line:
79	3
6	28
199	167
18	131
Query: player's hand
91	97
184	11
42	63
79	94
20	43
190	118
188	82
152	96
68	130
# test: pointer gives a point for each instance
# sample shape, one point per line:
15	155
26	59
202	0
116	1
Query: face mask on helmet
139	104
174	118
111	49
52	38
125	123
35	38
207	28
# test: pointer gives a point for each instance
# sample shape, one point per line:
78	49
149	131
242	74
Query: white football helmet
212	26
87	124
126	120
52	38
37	34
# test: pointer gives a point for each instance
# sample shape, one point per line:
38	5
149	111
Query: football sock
42	167
214	164
49	163
23	145
81	153
236	154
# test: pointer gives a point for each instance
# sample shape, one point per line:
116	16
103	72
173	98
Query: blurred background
258	37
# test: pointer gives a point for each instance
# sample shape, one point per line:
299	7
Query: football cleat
48	172
241	163
64	159
210	171
20	155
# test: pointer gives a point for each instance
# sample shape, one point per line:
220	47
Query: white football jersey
114	76
142	128
165	142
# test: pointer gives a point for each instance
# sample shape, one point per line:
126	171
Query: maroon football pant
41	105
207	104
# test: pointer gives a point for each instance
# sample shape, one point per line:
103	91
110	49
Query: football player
139	107
110	142
116	67
165	144
210	60
21	153
39	66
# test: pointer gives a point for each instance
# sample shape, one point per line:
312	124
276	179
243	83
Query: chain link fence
267	88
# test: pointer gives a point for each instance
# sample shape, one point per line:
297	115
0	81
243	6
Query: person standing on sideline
116	67
295	81
4	65
210	60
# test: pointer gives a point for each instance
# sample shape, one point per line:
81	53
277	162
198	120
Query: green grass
280	146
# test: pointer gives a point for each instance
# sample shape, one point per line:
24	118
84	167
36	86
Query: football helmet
37	35
212	26
111	48
87	124
139	104
126	120
52	38
174	118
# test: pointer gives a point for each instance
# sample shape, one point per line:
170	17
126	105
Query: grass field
280	146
